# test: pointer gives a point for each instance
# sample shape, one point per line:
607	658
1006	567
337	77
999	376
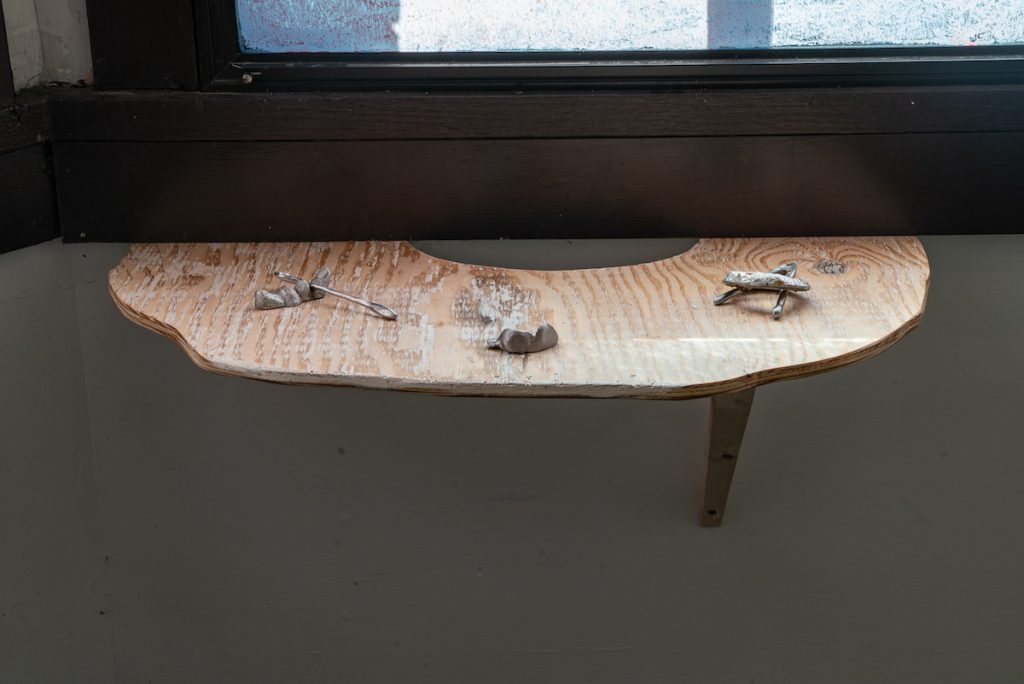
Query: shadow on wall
297	26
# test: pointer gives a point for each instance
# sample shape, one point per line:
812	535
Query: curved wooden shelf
644	331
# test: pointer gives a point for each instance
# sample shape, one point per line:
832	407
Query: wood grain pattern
644	331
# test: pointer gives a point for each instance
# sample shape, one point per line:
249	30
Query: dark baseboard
25	121
133	166
84	115
929	183
27	200
304	166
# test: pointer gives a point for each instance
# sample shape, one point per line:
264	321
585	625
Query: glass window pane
470	25
345	26
897	22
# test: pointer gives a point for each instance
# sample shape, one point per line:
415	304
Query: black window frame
224	66
321	147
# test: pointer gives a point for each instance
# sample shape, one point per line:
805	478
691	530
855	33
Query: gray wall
154	527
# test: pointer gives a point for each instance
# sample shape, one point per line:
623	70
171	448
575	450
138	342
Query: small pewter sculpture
781	278
519	342
300	290
322	288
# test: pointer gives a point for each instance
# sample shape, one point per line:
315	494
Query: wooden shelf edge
492	388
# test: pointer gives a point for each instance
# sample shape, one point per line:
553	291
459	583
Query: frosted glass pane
897	22
342	26
470	25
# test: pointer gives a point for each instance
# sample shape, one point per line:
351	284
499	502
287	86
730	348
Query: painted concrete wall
48	41
162	524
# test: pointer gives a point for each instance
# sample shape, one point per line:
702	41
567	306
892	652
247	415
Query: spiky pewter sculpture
780	278
746	281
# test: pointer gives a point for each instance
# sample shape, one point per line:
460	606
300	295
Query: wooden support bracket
729	414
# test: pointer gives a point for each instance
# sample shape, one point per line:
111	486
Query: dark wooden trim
216	38
6	75
27	199
775	68
83	115
26	121
217	166
143	44
925	183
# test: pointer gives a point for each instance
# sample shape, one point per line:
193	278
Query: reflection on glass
340	26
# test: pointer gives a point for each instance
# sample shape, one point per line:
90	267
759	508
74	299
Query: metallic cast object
787	269
779	304
519	342
781	278
745	280
298	291
319	288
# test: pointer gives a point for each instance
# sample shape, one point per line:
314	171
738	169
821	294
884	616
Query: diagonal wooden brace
729	414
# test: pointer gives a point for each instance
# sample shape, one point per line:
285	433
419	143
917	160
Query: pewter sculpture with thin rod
378	309
294	293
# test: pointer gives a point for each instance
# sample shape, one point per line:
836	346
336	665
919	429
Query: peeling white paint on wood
64	36
648	330
23	43
48	41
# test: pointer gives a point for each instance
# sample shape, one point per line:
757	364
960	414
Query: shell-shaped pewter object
519	342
